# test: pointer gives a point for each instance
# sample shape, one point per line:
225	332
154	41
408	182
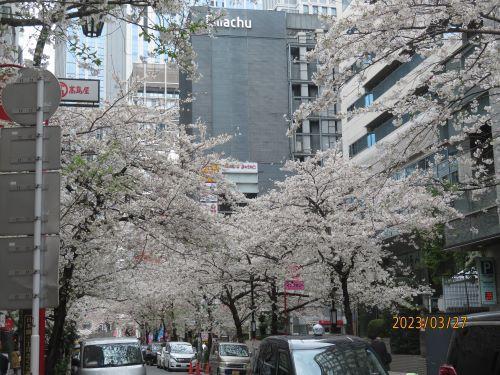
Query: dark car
475	348
151	351
316	355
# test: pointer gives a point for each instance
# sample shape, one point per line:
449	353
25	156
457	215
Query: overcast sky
27	41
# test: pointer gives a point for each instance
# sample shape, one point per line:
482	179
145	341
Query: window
296	90
368	99
370	138
267	360
329	127
306	9
475	350
313	91
315	9
283	364
333	11
295	53
324	10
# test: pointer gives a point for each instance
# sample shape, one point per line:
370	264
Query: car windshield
156	347
181	349
111	355
233	350
337	360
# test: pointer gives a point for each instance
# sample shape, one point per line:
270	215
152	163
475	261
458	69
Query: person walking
380	348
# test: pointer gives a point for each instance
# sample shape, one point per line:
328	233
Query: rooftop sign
234	23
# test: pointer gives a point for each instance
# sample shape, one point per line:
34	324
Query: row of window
314	9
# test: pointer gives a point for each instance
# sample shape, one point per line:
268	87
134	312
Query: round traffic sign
19	97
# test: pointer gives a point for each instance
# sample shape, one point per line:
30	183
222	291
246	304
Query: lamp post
93	25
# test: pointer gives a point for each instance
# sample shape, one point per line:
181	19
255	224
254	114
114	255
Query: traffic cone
198	370
190	369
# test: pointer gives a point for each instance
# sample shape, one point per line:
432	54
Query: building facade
120	49
479	230
316	7
254	74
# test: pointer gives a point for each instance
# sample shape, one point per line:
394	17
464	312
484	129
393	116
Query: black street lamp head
92	28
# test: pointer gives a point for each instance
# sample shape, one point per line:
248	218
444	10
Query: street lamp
93	25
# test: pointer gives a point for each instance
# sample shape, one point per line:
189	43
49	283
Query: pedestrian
16	362
4	361
15	357
380	348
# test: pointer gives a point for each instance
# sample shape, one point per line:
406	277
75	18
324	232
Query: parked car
475	348
110	356
177	355
316	355
229	358
151	353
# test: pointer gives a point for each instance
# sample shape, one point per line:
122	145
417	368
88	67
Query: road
152	370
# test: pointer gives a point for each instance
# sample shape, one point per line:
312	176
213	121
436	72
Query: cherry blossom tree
167	27
336	217
448	98
125	198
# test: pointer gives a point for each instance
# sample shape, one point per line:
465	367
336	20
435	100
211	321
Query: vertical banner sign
487	281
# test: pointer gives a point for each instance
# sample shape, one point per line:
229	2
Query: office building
236	4
316	7
9	37
254	75
122	52
479	230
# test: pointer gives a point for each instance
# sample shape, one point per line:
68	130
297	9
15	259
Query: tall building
254	75
236	4
9	37
120	49
317	7
479	229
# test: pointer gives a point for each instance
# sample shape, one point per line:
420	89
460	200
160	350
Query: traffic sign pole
37	237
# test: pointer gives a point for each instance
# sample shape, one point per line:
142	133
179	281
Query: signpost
30	101
487	281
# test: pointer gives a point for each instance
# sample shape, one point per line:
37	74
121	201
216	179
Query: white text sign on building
234	23
80	91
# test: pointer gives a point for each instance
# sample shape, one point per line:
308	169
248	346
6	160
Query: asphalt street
152	370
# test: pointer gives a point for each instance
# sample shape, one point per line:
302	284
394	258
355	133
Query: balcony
480	223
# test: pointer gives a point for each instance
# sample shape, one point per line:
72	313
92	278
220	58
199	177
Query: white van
109	356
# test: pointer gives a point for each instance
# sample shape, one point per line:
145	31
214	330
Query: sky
27	41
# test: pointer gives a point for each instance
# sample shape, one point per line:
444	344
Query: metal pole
253	325
37	236
144	83
166	85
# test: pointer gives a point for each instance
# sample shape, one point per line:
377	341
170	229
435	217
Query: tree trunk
347	305
274	308
40	45
237	320
56	341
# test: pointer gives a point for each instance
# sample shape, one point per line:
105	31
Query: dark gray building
254	74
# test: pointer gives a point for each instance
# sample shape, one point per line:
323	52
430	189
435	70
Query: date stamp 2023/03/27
428	322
